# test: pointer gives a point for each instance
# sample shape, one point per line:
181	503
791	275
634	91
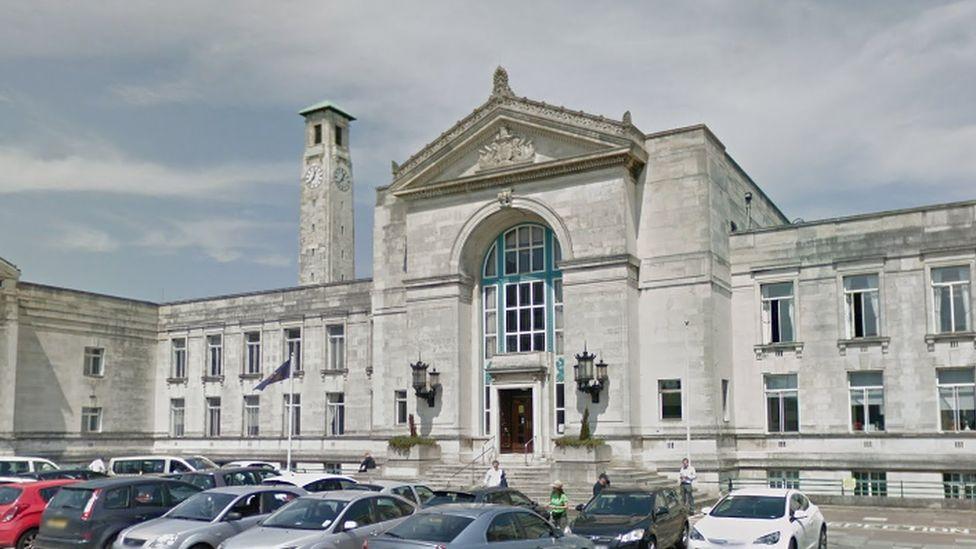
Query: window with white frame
337	347
560	407
867	401
957	399
215	355
525	317
211	427
293	347
783	478
959	485
91	420
782	403
870	483
669	396
252	353
778	312
252	415
557	313
178	358
399	407
335	413
293	406
524	250
487	400
951	299
94	361
490	319
862	305
177	417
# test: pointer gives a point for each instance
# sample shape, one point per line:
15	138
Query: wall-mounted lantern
590	378
425	384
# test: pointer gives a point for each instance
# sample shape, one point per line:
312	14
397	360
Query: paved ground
876	527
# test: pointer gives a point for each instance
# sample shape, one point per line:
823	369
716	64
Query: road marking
955	530
875	519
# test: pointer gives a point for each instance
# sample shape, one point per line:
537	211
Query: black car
58	474
89	515
633	517
232	476
498	495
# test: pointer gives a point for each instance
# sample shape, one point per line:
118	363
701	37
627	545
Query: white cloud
78	238
222	239
167	92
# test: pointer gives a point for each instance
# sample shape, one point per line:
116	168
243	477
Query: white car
10	466
253	463
157	465
313	482
761	517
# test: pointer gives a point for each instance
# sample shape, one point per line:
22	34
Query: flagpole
291	405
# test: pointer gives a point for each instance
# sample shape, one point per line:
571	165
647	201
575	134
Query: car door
424	494
360	512
504	532
537	531
248	506
801	527
149	500
405	492
678	515
389	512
813	521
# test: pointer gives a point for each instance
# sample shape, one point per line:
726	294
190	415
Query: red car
21	506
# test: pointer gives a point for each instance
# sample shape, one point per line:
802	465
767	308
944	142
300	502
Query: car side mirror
233	515
706	510
580	507
662	510
349	525
800	514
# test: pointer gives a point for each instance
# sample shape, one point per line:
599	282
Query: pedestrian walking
558	504
495	476
687	476
602	482
97	465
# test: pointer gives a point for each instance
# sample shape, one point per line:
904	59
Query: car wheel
650	544
110	541
792	544
823	538
26	540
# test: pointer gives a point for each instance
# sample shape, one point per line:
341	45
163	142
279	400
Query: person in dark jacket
367	463
601	483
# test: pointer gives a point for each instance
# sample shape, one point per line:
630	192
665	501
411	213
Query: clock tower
326	225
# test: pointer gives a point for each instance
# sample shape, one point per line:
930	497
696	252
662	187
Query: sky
152	149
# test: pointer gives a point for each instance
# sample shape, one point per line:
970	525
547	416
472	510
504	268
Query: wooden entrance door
515	420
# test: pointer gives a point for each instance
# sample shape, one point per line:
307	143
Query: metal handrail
484	451
486	443
525	449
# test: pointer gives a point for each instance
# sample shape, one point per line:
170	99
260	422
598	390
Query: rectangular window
91	420
487	409
861	303
292	405
94	361
867	401
491	320
293	347
211	426
950	288
177	415
560	407
335	416
959	485
337	347
215	355
957	398
252	353
338	135
178	370
669	394
782	404
252	408
317	134
725	400
525	317
400	407
777	312
557	311
870	483
783	478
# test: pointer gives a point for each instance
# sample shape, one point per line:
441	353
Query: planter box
580	466
595	454
411	464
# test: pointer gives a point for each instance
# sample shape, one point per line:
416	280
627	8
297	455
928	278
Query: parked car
89	515
21	506
60	474
275	466
157	465
208	518
633	517
341	520
418	494
497	495
216	478
766	517
313	482
473	526
12	466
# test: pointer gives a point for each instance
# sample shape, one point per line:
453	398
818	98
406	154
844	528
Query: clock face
342	178
313	175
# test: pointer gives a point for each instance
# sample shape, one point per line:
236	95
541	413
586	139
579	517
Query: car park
497	495
415	493
157	465
761	517
89	515
341	520
61	474
208	518
474	526
216	478
12	466
21	507
273	465
633	517
313	482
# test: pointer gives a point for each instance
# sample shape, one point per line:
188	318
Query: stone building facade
519	237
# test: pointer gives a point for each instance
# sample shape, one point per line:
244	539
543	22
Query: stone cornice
599	262
434	281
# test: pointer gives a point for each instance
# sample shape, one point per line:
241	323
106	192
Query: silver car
208	518
340	520
476	526
415	493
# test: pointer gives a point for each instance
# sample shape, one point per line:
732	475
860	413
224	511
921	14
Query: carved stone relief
506	149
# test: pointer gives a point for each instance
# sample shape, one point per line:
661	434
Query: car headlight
633	535
695	535
167	540
768	539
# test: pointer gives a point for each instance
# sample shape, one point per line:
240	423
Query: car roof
23	458
470	510
111	482
127	458
343	495
221	471
775	492
51	483
251	488
306	477
389	483
632	490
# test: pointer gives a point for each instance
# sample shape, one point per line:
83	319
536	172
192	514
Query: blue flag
282	373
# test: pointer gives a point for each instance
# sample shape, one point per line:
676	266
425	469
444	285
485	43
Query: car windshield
630	504
435	527
307	514
752	507
200	462
9	494
70	498
204	506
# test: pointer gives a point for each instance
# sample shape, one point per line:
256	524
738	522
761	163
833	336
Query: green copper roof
325	105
